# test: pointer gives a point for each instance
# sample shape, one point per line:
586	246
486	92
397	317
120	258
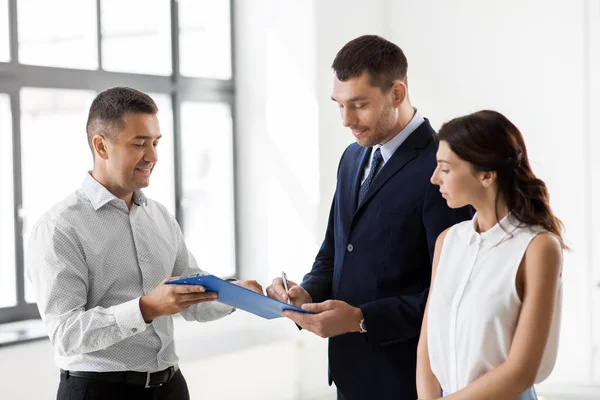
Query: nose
151	154
434	178
348	117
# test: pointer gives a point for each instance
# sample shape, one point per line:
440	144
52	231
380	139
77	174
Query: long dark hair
490	142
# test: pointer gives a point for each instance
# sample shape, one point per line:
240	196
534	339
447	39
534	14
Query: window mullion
18	196
99	32
12	27
176	104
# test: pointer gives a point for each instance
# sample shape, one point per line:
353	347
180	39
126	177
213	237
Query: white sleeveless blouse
474	306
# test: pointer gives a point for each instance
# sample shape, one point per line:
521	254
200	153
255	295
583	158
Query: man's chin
364	142
141	184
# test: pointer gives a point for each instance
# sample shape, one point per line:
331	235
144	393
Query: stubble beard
383	128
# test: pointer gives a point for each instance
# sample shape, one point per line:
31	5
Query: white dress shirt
90	259
474	305
388	149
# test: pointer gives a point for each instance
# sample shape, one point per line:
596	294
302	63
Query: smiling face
370	114
127	161
459	183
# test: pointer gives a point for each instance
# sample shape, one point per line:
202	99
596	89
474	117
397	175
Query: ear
488	178
400	92
100	143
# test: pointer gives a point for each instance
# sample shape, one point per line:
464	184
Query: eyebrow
139	137
444	161
353	99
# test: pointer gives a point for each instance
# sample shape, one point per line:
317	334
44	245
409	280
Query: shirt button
350	247
134	330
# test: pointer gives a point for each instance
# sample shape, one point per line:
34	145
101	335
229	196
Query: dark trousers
75	388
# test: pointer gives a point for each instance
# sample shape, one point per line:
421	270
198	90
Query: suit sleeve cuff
129	318
373	335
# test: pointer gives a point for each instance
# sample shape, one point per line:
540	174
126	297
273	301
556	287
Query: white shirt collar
388	149
502	231
99	195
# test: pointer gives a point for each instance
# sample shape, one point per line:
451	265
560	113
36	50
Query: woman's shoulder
532	232
460	229
543	253
452	235
544	242
452	231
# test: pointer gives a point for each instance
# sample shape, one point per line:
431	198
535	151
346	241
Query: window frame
15	76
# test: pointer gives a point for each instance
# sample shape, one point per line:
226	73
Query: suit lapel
404	154
364	159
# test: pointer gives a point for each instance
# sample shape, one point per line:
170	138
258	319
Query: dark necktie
375	164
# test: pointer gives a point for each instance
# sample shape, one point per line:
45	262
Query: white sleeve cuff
207	311
129	318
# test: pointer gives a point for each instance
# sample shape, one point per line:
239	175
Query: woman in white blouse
492	319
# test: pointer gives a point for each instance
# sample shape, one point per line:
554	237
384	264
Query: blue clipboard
239	297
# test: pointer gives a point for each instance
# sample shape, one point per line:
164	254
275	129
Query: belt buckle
147	385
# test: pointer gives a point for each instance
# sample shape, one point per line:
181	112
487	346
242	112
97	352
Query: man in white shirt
98	261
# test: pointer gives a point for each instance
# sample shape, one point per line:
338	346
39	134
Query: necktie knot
375	164
377	158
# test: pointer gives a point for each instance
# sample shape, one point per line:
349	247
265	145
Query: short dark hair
109	107
383	60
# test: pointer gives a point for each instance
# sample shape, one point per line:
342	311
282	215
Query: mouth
359	132
444	195
144	171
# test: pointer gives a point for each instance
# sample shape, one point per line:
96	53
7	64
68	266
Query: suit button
349	247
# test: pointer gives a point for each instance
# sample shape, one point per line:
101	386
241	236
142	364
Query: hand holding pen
287	291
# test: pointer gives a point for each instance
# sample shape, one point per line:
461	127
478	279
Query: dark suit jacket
377	256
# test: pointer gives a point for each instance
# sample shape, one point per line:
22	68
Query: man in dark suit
369	283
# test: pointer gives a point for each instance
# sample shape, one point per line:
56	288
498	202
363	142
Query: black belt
145	379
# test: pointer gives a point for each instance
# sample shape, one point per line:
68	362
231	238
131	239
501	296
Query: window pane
52	126
50	36
8	289
136	36
162	182
4	32
207	179
205	39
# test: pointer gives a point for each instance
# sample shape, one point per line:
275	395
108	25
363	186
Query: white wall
276	131
593	166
